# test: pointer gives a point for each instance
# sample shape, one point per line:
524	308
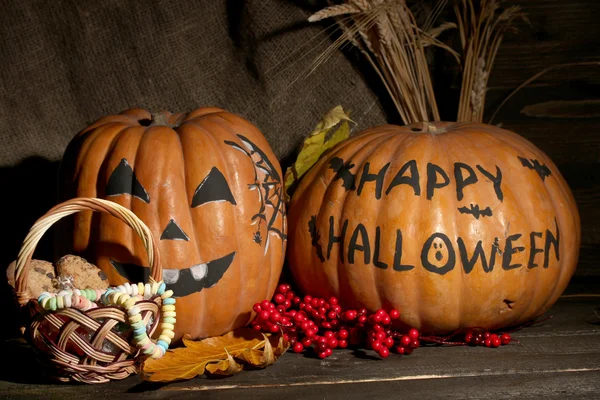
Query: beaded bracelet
126	296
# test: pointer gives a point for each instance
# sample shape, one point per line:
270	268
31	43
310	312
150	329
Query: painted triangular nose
123	181
173	232
212	188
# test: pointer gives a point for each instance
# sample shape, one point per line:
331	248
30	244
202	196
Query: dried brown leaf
225	367
221	355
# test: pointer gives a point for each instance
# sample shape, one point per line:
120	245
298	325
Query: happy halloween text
358	244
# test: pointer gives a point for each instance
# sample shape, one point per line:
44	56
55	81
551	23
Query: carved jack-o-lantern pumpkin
208	186
458	225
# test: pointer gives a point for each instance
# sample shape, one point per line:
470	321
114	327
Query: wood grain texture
560	32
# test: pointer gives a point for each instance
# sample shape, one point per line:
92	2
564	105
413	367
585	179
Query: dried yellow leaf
321	139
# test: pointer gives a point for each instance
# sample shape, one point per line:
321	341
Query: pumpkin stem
163	118
433	128
429	128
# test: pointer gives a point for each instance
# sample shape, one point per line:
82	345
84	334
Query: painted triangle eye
123	181
174	232
212	188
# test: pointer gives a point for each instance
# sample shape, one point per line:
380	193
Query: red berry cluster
487	339
323	325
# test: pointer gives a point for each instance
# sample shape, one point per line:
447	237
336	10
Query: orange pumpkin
208	186
456	225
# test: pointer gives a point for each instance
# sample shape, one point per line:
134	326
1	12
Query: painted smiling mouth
182	282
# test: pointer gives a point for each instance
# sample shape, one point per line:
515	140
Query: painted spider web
267	183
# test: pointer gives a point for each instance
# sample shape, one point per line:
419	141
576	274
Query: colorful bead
168	307
139	330
117	296
169	301
133	310
169	314
135	318
138	324
158	352
149	349
162	344
123	299
165	325
161	288
130	303
168	333
167	294
59	302
169	320
44	302
165	338
42	296
141	339
104	298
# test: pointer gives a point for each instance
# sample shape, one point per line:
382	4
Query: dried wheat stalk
481	26
386	32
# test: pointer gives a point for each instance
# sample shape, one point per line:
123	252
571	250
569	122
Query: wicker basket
95	336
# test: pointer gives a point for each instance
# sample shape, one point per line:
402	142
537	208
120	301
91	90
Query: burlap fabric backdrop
66	63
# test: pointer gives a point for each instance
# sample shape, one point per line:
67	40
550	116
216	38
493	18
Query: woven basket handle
71	207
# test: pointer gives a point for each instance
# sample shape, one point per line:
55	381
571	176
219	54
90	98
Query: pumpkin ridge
416	210
236	214
424	312
102	179
225	122
132	135
133	240
221	120
505	153
462	140
241	130
367	146
93	148
401	142
457	286
512	148
199	123
561	279
180	131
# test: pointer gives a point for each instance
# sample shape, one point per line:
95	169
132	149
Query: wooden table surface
557	358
